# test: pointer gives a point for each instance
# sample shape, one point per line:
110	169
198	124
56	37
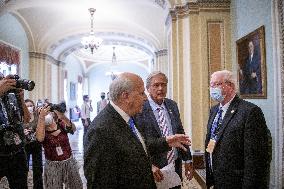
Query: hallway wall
99	81
191	56
246	17
74	70
13	33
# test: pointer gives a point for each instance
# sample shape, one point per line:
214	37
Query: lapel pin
232	111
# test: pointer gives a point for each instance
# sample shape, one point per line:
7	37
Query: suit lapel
228	116
123	126
150	112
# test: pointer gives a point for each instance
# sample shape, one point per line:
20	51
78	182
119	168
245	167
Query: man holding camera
13	163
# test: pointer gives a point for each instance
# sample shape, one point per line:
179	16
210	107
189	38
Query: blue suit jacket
152	133
252	85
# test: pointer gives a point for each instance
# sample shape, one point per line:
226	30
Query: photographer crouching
13	113
60	166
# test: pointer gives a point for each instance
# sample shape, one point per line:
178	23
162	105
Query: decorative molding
3	2
161	3
181	11
78	46
45	57
162	52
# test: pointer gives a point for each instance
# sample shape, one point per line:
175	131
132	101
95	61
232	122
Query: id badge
17	139
211	146
59	150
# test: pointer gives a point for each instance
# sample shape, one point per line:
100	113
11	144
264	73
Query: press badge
59	150
211	146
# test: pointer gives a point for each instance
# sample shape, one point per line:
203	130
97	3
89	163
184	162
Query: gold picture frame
251	58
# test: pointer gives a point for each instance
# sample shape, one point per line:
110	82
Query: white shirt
225	107
85	110
126	118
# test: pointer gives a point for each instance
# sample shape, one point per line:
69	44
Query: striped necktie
165	131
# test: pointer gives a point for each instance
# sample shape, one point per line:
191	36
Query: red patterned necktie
165	131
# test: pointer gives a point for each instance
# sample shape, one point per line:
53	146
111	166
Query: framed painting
251	58
72	91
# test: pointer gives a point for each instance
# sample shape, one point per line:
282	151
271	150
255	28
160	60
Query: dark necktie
132	127
216	124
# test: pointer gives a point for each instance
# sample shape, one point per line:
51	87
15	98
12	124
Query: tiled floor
76	142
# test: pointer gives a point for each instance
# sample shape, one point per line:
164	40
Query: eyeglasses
156	85
217	84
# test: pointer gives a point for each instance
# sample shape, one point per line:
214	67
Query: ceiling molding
182	11
45	57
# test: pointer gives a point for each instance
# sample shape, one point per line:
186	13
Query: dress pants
34	149
14	167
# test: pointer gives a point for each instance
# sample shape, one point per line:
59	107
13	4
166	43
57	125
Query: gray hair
118	86
227	76
152	75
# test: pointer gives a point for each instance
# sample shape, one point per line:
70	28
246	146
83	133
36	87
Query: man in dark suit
251	72
238	142
153	128
115	153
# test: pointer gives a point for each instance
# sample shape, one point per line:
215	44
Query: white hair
227	76
118	86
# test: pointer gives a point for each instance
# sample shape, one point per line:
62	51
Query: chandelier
92	42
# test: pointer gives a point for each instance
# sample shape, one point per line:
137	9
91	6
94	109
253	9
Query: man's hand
253	75
7	84
158	175
178	140
188	170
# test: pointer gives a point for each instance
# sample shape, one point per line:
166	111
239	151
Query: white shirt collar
122	113
226	106
154	105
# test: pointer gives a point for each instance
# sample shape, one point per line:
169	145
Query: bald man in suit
115	153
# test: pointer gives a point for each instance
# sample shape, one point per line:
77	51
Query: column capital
161	52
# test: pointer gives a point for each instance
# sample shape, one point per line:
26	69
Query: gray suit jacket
113	156
242	153
151	131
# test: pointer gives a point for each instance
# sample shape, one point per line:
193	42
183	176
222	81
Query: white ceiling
55	27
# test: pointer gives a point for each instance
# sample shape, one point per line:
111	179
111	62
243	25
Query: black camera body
23	83
61	107
12	101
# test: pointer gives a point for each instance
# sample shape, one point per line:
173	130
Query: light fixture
92	42
113	74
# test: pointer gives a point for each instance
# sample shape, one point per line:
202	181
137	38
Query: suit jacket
151	131
251	85
113	156
242	153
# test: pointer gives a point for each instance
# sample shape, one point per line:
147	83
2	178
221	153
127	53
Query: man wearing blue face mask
238	142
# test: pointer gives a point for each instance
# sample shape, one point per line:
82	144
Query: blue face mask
216	94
